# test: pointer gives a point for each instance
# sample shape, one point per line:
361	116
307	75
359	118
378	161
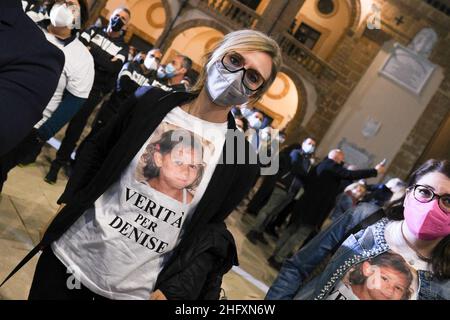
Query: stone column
95	11
429	123
279	15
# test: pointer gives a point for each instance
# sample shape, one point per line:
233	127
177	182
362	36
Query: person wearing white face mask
246	110
110	51
178	239
141	71
152	61
255	121
294	166
74	85
309	146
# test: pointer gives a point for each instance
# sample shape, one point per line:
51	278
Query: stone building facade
323	83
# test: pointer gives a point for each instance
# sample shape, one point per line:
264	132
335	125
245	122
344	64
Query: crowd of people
142	214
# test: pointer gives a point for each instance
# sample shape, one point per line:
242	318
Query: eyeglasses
252	79
424	194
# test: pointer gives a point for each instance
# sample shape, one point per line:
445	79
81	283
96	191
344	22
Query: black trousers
261	197
76	126
51	281
282	216
108	111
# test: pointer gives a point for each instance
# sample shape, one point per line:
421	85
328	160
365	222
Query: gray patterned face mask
225	88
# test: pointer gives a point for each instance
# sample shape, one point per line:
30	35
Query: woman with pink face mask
416	232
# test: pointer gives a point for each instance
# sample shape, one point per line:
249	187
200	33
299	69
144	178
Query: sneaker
52	174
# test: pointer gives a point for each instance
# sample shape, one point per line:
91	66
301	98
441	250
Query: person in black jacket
127	237
110	52
261	197
311	210
134	74
288	184
174	74
30	68
139	72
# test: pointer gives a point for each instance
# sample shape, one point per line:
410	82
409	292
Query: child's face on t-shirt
387	284
180	168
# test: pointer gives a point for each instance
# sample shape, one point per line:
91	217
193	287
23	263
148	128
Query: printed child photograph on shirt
385	277
174	161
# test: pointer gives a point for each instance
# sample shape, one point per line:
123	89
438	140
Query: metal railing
300	54
233	11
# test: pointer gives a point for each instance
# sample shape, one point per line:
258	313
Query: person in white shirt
75	83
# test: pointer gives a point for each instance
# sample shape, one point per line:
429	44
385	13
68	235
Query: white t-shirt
390	276
77	76
119	247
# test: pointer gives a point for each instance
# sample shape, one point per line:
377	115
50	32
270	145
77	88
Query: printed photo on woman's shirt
174	161
385	277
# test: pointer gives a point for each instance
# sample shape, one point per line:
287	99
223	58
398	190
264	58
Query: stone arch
355	14
194	43
192	24
281	101
169	17
332	27
294	127
167	8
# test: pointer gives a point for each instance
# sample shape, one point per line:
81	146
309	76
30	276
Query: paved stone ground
28	203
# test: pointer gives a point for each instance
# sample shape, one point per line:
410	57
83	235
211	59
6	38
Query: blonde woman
126	240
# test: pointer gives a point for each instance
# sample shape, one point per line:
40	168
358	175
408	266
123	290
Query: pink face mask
426	220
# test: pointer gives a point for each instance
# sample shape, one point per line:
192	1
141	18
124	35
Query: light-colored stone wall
378	98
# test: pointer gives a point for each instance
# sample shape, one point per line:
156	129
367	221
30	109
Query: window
325	7
252	4
307	35
440	5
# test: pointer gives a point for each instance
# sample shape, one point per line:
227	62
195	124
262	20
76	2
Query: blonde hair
244	41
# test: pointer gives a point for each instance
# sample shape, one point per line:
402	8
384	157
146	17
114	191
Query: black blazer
107	153
30	68
321	189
